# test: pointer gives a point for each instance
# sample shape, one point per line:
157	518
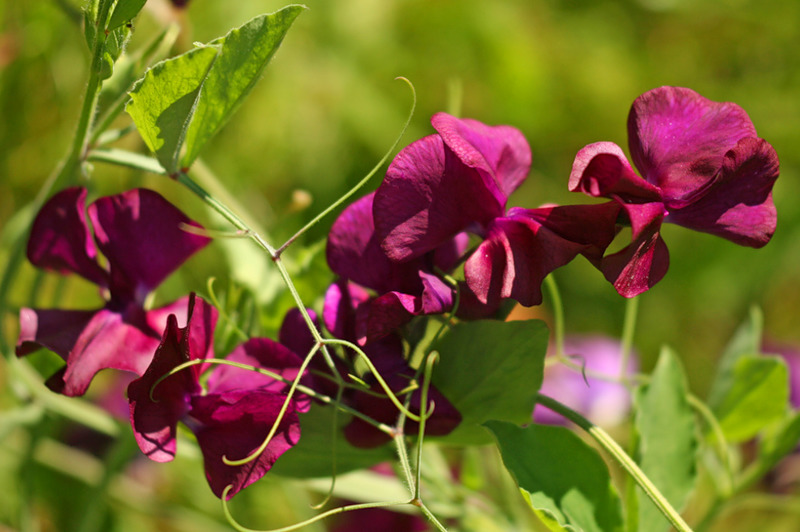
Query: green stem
558	314
628	330
613	448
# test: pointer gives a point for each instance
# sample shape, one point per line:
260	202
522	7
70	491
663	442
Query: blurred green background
563	72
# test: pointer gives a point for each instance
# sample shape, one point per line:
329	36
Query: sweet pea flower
459	179
232	416
702	167
141	236
401	290
604	402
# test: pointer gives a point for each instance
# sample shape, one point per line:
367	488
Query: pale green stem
628	330
613	448
558	314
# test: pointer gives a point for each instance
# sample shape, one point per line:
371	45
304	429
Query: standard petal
354	252
339	310
142	236
233	425
678	139
294	332
737	204
501	154
601	170
644	262
60	238
428	196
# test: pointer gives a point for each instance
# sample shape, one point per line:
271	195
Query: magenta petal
60	238
294	332
601	169
525	246
737	204
383	315
500	153
353	252
57	330
233	425
339	310
141	235
427	197
154	420
644	262
261	353
678	138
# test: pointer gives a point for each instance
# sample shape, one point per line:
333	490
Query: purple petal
427	197
644	262
233	425
601	170
60	238
339	310
353	252
524	247
154	421
737	204
262	353
500	153
141	235
57	330
294	332
678	139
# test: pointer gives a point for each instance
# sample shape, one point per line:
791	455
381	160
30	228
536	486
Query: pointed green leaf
124	11
491	370
667	439
163	101
244	54
746	341
562	478
757	396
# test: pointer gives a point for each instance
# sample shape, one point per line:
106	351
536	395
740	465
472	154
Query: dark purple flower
459	180
702	166
231	417
401	290
604	402
141	236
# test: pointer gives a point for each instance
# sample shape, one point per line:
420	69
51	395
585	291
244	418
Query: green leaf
244	54
667	438
562	478
313	455
124	11
778	443
746	341
757	396
490	370
163	101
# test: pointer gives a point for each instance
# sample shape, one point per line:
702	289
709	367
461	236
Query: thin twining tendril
389	393
299	387
213	233
307	522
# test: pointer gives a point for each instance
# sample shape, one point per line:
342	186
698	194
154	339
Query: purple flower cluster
436	237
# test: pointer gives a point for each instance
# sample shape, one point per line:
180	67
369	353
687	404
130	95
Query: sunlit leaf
667	439
758	396
491	370
562	478
244	54
163	101
124	11
746	341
